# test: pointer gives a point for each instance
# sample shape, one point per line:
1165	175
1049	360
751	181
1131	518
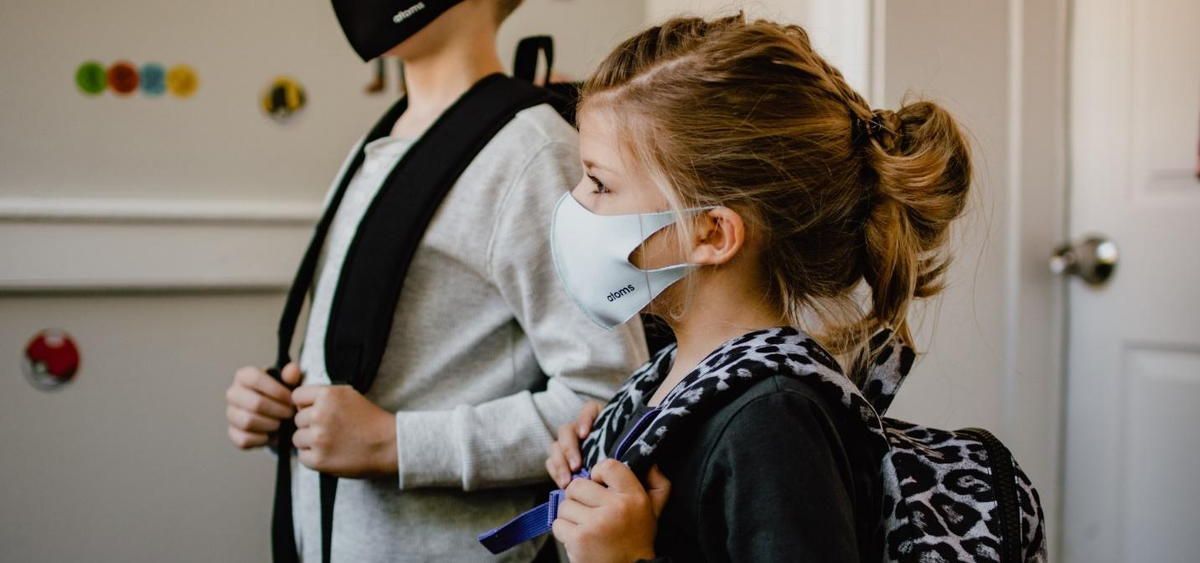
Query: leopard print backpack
949	496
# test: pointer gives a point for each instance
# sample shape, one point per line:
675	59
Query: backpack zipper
639	426
1003	477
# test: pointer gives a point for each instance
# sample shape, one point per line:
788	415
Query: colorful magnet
154	79
283	98
182	81
91	78
51	359
123	78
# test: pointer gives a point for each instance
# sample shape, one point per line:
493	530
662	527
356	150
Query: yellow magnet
182	81
283	98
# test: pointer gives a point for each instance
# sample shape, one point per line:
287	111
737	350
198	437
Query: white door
1132	457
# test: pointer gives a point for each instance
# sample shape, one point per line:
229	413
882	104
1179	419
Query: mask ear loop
642	246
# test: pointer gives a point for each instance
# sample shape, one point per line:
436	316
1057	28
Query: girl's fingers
564	531
556	466
587	492
587	416
616	476
659	489
568	443
573	512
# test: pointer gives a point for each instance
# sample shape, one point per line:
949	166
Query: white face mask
591	253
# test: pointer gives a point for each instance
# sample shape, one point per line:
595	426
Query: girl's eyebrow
591	164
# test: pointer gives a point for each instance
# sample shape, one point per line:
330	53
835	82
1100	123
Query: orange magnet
123	78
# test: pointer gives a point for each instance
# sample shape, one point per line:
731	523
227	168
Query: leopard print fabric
725	373
939	502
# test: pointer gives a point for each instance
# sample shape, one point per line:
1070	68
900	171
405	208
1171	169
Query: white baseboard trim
157	211
105	245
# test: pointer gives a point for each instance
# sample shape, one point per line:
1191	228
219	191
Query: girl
731	156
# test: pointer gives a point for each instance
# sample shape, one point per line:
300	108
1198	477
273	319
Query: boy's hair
746	115
505	8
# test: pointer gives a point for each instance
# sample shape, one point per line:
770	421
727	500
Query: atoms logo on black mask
408	12
621	293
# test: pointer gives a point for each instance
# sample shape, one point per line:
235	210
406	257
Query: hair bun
886	127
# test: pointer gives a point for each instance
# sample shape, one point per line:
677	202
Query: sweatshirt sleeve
503	442
779	446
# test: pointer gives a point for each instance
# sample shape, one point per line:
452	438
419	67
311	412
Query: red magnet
123	78
51	359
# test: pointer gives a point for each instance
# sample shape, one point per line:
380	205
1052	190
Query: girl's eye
600	188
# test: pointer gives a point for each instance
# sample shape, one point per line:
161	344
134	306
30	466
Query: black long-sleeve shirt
779	474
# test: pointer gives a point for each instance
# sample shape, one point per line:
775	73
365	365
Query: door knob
1093	259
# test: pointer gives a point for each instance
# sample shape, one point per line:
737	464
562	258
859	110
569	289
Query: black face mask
374	27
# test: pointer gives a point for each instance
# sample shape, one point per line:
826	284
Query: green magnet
91	78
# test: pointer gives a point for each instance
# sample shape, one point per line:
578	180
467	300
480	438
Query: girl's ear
719	235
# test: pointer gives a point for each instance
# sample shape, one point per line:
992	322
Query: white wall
839	29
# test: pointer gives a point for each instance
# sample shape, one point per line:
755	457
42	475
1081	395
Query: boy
453	429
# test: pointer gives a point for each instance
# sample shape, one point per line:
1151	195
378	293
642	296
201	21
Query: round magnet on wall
123	78
182	81
154	79
91	78
283	99
51	359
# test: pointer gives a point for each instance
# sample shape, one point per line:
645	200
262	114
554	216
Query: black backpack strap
431	166
525	62
564	96
364	305
283	539
392	228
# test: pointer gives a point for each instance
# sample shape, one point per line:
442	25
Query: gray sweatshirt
481	317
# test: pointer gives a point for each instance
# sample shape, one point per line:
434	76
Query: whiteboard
59	142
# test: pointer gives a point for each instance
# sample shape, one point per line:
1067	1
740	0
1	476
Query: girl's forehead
599	142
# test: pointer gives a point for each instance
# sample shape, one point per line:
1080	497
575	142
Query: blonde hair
746	115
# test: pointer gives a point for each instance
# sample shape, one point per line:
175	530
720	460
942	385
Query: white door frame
1025	177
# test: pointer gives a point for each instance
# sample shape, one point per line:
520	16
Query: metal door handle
1093	259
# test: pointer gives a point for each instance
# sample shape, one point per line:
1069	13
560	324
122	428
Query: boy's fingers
302	439
251	422
304	418
259	381
307	395
246	440
291	374
248	399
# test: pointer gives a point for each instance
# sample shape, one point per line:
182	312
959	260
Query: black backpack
948	496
